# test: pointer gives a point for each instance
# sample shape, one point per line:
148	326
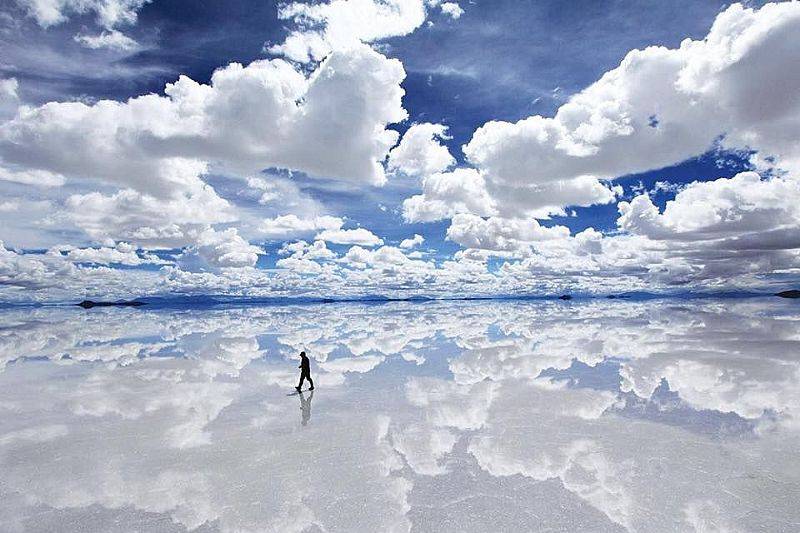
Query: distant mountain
794	293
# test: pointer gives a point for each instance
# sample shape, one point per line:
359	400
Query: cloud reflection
607	415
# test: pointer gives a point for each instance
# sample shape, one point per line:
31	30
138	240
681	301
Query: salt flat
598	415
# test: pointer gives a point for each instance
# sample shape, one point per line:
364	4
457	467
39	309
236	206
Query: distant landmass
794	293
204	301
87	304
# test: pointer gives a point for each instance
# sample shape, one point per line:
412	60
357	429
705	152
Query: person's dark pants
306	375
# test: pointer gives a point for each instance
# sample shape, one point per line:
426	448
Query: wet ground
599	415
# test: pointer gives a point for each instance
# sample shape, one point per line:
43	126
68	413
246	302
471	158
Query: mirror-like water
436	416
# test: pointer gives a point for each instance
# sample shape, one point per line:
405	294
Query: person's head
302	354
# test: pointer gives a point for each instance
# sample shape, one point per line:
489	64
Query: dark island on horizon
794	293
88	304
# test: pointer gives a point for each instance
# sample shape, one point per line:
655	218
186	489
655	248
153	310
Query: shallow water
437	416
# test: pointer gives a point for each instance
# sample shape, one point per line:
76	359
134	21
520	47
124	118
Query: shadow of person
305	406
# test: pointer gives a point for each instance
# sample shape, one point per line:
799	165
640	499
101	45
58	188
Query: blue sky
534	146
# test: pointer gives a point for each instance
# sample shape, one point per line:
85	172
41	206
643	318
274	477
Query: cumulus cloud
359	236
500	234
158	149
416	240
661	106
31	272
222	249
388	265
147	220
54	276
445	194
725	227
452	9
465	190
420	151
246	119
304	258
723	208
317	250
343	24
122	253
292	226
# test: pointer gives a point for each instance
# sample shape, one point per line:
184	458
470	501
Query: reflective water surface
437	416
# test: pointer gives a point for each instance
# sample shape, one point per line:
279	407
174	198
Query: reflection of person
305	407
305	372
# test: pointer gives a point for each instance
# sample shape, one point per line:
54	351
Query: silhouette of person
305	372
305	407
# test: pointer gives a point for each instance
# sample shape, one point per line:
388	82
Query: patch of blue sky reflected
601	415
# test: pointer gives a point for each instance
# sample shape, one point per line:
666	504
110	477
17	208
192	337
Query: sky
397	147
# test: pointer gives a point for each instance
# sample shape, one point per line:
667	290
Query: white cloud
452	9
146	220
222	249
659	107
112	39
53	276
386	261
122	253
299	265
342	24
304	257
445	194
39	178
246	120
31	272
416	240
359	236
285	194
158	149
292	226
723	228
315	251
109	13
546	199
420	151
724	208
500	234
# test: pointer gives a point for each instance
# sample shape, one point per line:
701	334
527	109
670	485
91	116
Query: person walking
305	372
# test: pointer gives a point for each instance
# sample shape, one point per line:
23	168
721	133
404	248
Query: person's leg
302	376
310	381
